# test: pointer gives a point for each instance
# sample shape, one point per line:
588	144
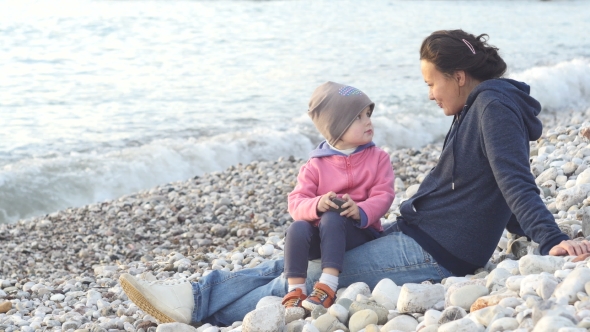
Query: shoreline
61	270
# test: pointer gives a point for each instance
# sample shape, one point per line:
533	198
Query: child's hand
351	210
325	202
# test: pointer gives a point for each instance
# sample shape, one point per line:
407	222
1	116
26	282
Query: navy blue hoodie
482	181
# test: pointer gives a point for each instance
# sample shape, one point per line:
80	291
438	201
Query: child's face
360	131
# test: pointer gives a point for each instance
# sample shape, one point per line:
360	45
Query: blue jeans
222	297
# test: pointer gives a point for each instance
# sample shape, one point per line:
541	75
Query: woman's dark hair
452	50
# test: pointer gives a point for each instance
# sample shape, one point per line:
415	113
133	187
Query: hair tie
469	45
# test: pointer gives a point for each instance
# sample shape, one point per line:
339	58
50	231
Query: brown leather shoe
294	298
322	295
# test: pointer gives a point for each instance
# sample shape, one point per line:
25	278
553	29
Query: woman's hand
325	202
351	210
571	248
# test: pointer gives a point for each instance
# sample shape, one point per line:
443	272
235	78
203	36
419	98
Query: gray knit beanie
333	107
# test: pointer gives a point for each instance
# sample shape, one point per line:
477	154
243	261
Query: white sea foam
37	186
563	86
405	130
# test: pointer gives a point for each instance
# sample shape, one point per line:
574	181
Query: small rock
490	300
266	250
318	311
572	196
546	285
339	312
487	315
411	191
503	324
583	178
57	297
450	289
355	289
573	284
450	314
328	323
175	327
294	313
297	326
461	325
386	293
310	328
5	306
269	318
70	325
268	300
546	175
360	319
401	323
381	311
513	283
431	317
464	297
419	297
372	328
532	264
552	324
497	279
344	302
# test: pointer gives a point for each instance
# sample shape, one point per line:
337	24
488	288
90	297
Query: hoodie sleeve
506	146
514	227
303	200
381	192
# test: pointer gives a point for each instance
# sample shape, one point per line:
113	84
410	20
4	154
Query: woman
451	226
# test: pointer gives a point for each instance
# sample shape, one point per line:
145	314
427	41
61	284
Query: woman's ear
460	77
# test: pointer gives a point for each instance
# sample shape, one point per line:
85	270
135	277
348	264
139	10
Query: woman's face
445	90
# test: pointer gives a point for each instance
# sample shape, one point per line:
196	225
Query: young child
347	165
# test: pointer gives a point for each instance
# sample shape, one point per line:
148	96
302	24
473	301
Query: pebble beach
59	272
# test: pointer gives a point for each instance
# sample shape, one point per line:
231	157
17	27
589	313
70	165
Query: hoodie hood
517	93
324	150
514	94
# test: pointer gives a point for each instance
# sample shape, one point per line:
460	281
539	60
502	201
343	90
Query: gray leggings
334	235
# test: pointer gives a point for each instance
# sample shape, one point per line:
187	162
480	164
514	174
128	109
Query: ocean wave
43	185
562	86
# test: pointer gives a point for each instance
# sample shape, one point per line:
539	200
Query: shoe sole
135	295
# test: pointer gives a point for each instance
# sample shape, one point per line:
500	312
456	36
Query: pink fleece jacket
367	176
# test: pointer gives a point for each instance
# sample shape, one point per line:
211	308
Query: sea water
99	99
